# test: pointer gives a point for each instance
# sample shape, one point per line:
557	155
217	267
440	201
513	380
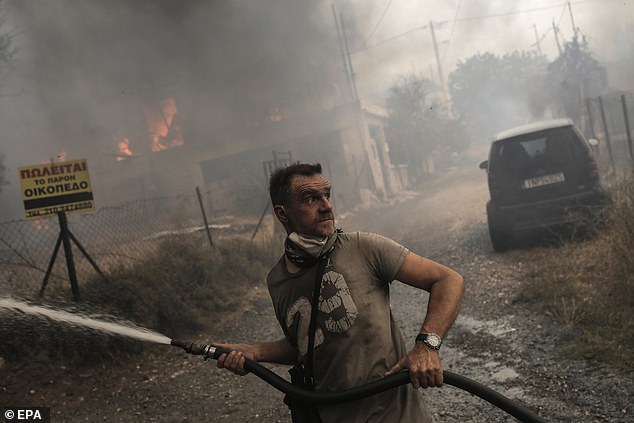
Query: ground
494	341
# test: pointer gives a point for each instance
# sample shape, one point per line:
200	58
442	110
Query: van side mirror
484	165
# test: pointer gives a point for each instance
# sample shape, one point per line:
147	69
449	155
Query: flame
123	145
162	125
157	145
40	224
276	115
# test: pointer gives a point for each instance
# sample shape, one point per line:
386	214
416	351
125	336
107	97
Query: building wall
339	139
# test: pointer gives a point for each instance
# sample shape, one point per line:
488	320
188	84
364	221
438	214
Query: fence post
257	228
607	134
70	263
627	126
202	210
590	119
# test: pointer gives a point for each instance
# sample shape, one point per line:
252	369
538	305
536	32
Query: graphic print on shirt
335	303
297	322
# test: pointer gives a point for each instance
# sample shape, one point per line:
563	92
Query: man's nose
325	203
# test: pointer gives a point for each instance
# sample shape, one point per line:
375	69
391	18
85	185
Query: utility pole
345	44
572	21
441	77
345	58
556	32
539	48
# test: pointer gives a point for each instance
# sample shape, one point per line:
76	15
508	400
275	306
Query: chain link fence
114	237
610	118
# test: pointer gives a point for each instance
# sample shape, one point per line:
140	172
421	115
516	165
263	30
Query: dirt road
493	341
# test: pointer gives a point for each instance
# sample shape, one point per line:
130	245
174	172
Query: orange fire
162	124
276	115
40	224
123	145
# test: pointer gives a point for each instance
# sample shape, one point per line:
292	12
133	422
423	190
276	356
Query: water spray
318	398
121	328
296	393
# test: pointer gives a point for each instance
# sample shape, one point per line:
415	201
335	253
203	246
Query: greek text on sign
48	189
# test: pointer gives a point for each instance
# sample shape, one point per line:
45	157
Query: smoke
93	64
86	69
402	43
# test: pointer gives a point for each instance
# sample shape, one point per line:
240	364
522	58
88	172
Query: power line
387	6
563	10
453	26
395	37
515	12
471	18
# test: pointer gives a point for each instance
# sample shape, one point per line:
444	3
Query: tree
574	76
491	93
418	127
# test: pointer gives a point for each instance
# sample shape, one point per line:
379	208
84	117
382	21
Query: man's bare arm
446	288
280	351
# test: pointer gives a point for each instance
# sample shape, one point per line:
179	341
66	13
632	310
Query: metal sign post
64	238
56	189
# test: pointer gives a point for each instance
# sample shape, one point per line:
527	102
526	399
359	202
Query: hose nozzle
207	351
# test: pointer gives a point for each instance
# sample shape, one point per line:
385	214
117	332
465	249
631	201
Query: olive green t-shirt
356	340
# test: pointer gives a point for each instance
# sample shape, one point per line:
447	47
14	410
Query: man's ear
280	213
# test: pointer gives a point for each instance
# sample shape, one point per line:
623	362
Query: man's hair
282	178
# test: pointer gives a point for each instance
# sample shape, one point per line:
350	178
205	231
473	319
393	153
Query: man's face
309	210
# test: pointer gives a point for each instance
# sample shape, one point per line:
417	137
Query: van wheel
500	239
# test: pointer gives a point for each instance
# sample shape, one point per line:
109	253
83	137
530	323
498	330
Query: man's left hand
425	369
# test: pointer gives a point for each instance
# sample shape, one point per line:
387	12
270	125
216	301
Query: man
356	339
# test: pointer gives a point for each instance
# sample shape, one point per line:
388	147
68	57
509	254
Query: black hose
521	413
302	395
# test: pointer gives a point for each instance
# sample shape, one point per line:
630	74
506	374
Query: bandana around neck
304	250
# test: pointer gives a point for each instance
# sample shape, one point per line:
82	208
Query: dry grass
589	286
177	290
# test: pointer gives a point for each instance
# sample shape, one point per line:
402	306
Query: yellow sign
48	189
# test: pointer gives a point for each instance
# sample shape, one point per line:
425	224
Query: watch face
433	340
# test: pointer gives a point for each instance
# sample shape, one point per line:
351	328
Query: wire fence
113	237
611	120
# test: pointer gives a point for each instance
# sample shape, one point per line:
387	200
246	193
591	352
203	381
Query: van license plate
543	180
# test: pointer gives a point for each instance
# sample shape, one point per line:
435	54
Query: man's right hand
235	359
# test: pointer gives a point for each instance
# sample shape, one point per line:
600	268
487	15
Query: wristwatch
430	339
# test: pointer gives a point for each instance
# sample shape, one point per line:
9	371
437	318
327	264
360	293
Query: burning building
165	96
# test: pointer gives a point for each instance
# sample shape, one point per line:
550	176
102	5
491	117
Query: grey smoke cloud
86	68
509	27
